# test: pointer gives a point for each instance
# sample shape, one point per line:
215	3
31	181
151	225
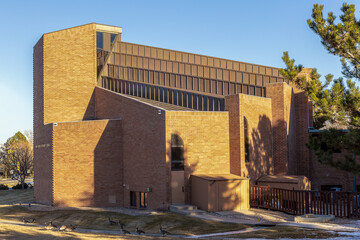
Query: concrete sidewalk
262	217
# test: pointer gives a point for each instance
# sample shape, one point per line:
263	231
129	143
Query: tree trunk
22	182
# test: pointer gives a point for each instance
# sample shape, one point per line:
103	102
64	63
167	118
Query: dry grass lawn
16	196
35	233
98	219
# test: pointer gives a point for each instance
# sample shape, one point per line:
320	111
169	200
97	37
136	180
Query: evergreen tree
328	104
341	38
336	105
335	109
331	141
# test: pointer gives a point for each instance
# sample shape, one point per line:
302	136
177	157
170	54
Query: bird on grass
111	222
51	226
123	231
163	232
122	225
138	231
64	228
26	221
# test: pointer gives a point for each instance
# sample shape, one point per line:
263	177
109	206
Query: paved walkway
247	230
263	217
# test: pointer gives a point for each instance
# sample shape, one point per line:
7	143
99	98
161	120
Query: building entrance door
177	187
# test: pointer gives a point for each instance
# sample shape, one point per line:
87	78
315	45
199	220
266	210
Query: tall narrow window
99	41
177	153
112	38
132	199
246	140
143	199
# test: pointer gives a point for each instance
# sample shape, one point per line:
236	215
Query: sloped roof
281	178
165	106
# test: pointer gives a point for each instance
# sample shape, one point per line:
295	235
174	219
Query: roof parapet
108	28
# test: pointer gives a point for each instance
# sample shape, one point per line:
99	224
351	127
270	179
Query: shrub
3	187
18	186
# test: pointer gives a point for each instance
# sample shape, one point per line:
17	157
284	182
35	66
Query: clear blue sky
249	31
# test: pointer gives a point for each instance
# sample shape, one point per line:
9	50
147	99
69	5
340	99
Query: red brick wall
290	113
69	74
206	143
321	174
43	165
42	134
144	156
303	120
284	127
258	113
232	106
87	164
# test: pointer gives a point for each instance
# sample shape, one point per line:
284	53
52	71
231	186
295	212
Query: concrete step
186	209
179	206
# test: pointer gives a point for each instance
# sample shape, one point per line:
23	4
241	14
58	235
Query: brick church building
123	124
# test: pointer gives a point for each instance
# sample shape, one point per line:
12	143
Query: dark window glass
112	38
222	104
177	153
334	188
246	139
132	199
99	41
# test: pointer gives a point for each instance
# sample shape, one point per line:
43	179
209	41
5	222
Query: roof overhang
108	28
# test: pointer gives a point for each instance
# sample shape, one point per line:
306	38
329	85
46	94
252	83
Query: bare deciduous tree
17	155
20	153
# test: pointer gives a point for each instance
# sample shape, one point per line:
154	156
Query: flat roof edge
108	28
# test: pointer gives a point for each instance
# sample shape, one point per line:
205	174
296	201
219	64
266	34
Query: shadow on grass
92	219
16	196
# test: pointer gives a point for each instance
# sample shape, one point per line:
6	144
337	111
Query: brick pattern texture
206	143
284	127
98	163
42	134
232	104
143	135
69	74
87	166
303	122
258	112
321	174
